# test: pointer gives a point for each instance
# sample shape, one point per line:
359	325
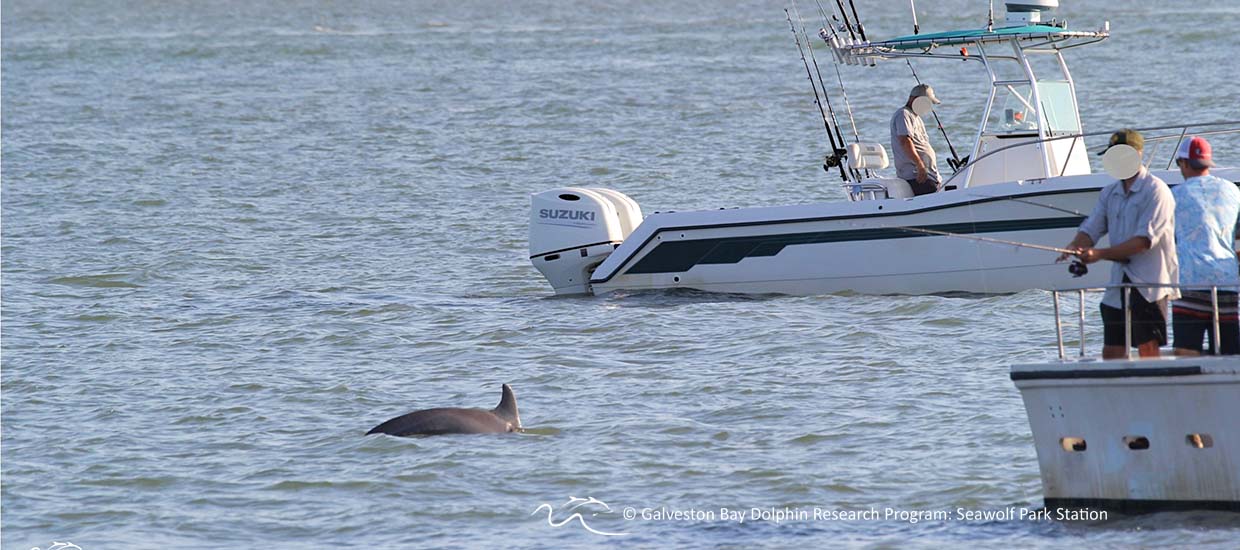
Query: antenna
916	29
990	19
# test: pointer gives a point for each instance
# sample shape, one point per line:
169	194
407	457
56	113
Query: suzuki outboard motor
573	229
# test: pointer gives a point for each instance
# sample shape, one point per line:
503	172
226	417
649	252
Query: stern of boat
573	229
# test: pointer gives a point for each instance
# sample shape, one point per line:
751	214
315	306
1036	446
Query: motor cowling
573	229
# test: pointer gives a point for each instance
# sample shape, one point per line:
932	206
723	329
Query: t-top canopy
953	38
851	52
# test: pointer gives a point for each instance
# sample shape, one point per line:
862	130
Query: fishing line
1033	203
1077	268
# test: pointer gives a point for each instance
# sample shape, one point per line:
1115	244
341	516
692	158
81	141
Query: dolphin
502	419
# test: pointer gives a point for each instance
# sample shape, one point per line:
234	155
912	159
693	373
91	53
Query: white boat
1029	183
1135	435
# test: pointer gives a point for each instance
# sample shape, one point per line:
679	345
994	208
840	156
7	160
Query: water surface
237	235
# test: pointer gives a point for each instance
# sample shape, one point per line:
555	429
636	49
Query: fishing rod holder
849	51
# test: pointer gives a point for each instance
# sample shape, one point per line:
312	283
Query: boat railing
1177	132
1126	292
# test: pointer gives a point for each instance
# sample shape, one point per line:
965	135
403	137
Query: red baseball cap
1196	151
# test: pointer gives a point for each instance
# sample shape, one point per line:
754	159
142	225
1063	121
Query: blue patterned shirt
1206	209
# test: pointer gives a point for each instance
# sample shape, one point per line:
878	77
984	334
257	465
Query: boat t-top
1024	189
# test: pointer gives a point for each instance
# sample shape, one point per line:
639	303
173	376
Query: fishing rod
829	33
826	21
916	28
857	18
955	162
847	105
839	77
837	153
1077	268
817	101
840	4
821	84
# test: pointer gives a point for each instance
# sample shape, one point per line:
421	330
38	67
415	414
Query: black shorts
1148	322
1191	324
923	188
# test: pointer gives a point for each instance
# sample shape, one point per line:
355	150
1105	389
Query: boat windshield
1013	113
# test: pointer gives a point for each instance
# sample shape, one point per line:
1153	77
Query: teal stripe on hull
680	256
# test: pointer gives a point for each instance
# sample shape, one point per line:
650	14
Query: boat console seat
867	156
896	188
873	156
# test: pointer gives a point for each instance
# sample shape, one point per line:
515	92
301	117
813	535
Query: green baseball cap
1128	137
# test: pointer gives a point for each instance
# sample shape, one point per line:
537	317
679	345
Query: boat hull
996	238
1136	436
870	247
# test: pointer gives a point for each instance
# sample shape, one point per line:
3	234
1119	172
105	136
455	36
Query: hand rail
1126	290
1183	132
1149	139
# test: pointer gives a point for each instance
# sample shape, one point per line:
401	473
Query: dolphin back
444	421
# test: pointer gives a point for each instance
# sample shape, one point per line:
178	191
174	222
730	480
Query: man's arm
1117	253
906	143
1156	222
1091	230
1081	241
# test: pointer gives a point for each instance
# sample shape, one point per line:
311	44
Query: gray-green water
237	235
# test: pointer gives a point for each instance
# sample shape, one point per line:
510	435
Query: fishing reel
956	165
834	160
1078	268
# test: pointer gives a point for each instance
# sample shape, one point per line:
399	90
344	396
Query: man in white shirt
1139	215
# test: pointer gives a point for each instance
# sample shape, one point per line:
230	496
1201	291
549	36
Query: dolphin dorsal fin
507	408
